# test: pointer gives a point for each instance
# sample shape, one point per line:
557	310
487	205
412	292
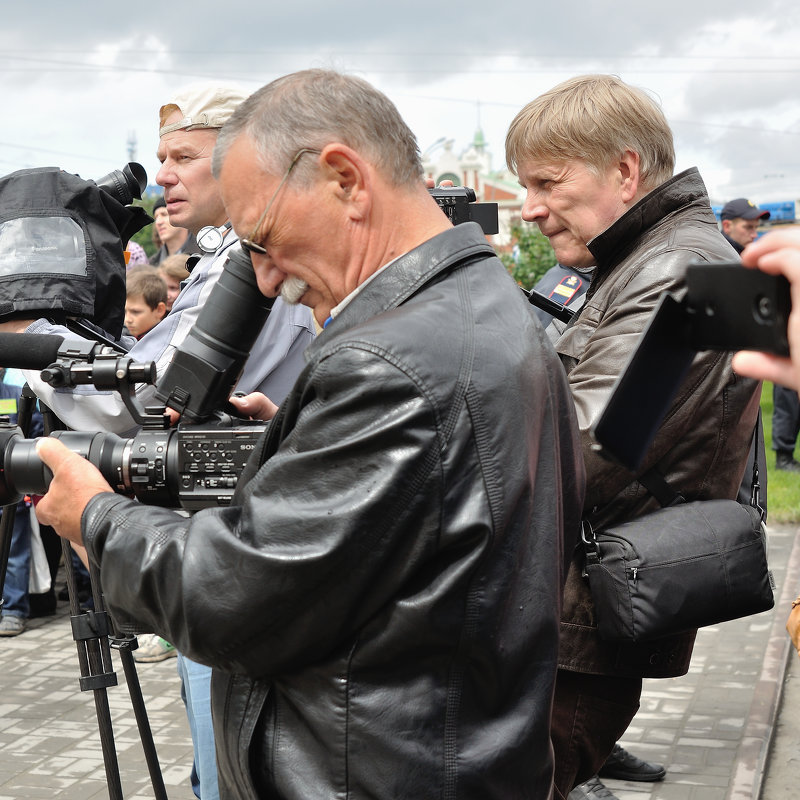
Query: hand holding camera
777	253
75	482
254	405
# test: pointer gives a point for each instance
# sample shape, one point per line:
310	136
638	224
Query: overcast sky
80	80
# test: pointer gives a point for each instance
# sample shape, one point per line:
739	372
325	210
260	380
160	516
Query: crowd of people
393	605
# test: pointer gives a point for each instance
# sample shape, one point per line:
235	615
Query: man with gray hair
596	159
396	542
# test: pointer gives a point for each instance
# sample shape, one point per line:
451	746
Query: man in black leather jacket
380	604
596	158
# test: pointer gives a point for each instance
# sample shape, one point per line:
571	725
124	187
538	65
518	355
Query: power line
556	65
315	53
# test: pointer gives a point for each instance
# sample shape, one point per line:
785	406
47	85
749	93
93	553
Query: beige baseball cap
202	106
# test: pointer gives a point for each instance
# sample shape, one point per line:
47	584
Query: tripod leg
123	644
90	630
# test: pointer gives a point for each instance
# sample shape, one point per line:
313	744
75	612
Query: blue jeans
15	589
196	693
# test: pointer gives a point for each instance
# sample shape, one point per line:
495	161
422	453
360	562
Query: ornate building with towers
472	168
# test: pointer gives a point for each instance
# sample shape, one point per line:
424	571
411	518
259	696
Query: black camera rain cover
61	248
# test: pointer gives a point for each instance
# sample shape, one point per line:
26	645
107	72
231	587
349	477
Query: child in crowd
173	270
146	300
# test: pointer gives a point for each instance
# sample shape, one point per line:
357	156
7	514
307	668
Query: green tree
144	237
532	257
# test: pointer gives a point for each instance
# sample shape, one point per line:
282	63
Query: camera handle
83	363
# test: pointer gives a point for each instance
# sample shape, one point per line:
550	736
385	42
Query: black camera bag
683	567
678	569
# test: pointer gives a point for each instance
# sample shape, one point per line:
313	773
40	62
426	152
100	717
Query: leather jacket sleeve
289	578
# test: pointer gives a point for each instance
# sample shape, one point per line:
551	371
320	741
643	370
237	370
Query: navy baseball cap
741	207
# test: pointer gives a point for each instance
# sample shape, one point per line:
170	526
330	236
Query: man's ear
726	226
630	175
345	173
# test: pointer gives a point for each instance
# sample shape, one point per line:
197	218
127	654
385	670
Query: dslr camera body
191	466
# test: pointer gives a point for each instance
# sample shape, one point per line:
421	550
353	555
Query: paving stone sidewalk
49	732
711	728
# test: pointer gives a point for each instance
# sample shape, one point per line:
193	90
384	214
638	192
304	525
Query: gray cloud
83	78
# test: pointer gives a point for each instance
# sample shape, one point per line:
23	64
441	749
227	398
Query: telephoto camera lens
201	376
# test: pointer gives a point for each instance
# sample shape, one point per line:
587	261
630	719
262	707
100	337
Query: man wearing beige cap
188	133
188	129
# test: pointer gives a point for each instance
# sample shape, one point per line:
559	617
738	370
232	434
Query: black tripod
94	637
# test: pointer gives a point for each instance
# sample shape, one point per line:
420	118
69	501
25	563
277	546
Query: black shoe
593	789
627	767
784	460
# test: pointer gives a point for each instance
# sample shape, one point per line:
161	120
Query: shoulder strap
755	489
657	485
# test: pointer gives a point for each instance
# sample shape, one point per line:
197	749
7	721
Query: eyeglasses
249	244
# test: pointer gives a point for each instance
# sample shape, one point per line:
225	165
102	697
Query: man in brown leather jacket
380	603
596	159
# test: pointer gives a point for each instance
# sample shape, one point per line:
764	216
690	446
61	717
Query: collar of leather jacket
407	275
681	190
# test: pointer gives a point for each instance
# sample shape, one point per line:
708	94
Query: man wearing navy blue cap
740	221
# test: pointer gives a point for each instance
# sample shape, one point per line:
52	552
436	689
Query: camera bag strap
657	485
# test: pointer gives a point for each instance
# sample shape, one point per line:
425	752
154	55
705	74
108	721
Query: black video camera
194	465
61	244
458	204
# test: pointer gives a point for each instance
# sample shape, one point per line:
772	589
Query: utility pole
131	145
